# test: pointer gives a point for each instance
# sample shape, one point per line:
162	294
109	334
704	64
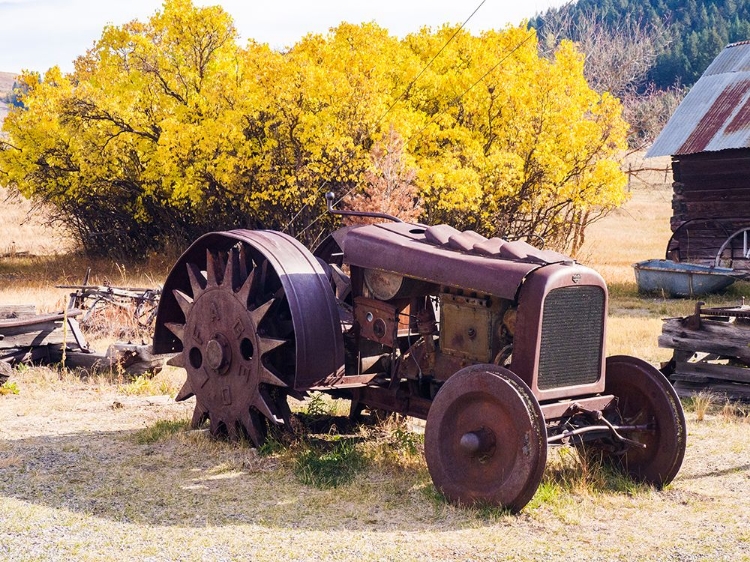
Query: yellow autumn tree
124	145
515	145
168	128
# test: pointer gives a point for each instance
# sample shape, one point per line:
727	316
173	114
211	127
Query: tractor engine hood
441	254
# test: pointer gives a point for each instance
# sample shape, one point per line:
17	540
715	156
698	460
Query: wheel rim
644	396
485	439
237	342
289	298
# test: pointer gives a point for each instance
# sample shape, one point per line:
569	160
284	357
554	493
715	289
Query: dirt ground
75	483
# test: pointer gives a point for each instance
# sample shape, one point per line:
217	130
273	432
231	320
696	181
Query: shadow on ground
190	480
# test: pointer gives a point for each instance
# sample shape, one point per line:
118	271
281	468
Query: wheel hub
217	324
218	354
480	443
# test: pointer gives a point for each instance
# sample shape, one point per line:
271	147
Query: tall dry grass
35	257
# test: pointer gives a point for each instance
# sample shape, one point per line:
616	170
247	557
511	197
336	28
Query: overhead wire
471	87
420	130
387	111
408	87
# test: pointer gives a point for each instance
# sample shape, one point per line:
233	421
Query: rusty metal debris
498	345
140	302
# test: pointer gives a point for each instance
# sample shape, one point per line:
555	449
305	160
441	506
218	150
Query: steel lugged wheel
644	396
238	343
485	439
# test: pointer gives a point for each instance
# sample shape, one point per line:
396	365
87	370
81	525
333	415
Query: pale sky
38	34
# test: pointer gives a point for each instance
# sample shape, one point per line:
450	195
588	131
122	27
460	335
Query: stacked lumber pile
27	337
711	351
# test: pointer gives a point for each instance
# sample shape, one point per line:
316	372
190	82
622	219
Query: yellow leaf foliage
169	128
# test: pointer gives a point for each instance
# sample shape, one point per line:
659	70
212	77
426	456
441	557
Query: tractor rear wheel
254	320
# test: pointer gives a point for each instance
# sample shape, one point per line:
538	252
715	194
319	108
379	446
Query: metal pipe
608	428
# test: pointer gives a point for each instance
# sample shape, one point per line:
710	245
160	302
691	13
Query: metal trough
681	279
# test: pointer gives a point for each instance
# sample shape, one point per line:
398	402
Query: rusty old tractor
498	345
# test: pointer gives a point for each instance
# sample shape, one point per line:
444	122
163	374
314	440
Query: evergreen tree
699	30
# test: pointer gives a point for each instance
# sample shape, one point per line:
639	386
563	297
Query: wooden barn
708	138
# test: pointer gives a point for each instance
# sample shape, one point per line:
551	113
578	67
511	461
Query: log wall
711	200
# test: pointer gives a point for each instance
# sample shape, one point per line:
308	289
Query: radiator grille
572	330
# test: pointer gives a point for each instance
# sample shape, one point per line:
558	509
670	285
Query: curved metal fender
315	317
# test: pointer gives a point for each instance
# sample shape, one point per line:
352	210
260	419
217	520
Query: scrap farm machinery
498	345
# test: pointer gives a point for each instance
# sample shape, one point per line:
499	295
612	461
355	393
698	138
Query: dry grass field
6	82
93	468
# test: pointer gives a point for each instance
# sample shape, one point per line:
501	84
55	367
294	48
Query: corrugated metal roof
715	115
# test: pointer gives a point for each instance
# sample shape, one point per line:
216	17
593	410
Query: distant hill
6	85
698	30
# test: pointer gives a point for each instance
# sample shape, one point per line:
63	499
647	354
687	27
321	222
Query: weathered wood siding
711	200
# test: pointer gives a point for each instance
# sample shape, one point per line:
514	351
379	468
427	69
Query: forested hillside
696	30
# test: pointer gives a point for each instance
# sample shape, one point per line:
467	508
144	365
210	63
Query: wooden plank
700	209
11	323
729	180
686	377
16	310
78	359
713	371
25	355
727	339
709	233
715	165
34	336
38	330
717	184
739	192
729	223
687	389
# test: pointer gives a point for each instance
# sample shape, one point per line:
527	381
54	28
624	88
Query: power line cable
408	87
455	100
419	131
387	111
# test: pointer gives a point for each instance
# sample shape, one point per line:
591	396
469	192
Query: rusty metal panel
715	115
466	327
713	128
377	320
734	58
527	343
405	249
